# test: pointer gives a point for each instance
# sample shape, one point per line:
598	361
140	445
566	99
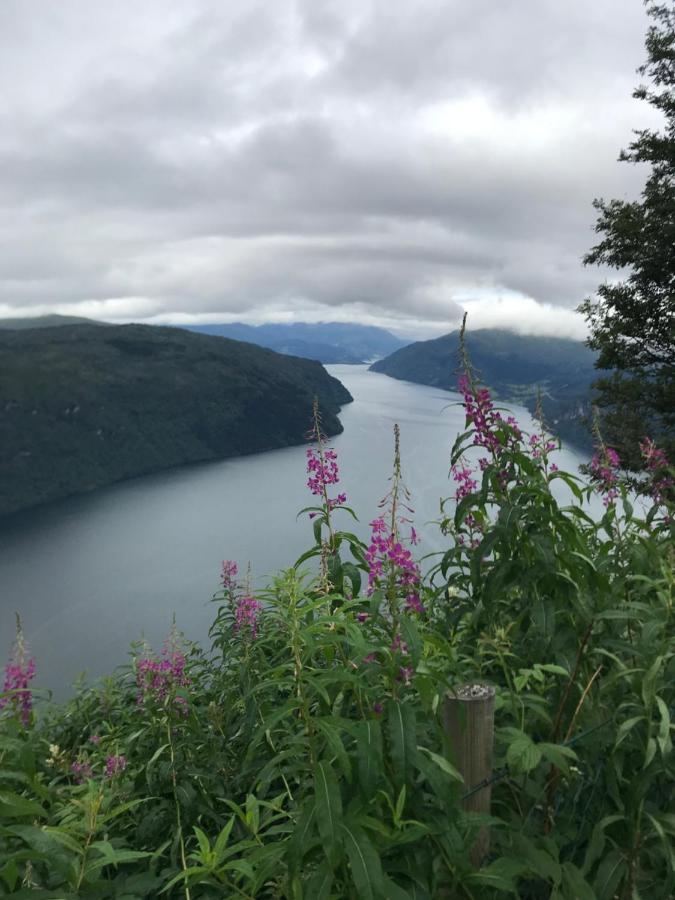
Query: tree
632	321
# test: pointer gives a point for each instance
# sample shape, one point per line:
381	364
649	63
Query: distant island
327	342
86	405
515	367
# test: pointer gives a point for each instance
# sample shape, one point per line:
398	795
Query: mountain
514	367
329	342
82	406
51	321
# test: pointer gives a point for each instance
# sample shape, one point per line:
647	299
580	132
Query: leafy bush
304	756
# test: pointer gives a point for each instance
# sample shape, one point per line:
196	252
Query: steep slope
82	406
514	367
329	342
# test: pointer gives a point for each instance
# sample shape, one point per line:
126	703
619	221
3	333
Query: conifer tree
632	320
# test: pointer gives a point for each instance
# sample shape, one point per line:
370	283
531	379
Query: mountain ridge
83	406
515	367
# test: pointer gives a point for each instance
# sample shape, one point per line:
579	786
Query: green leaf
369	755
596	845
578	887
394	891
364	862
523	754
557	754
320	884
663	737
443	764
401	730
300	841
328	807
222	840
625	728
610	874
14	806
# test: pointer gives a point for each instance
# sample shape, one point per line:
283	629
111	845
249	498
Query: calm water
91	574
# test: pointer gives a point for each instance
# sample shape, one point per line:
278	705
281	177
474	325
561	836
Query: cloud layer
393	163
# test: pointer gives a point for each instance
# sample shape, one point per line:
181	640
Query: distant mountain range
51	321
83	406
328	342
515	367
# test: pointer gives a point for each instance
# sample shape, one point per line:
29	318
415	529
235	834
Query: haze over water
93	573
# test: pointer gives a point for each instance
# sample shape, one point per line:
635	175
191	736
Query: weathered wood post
468	721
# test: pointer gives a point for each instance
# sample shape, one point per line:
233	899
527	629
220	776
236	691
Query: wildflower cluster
228	576
491	431
246	615
322	469
389	562
19	672
603	469
656	462
114	765
158	679
322	466
540	446
82	771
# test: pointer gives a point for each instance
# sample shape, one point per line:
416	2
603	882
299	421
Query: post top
473	690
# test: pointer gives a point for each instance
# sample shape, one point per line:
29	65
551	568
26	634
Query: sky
377	161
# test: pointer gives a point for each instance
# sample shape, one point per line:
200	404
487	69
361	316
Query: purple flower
323	471
246	615
94	739
377	708
405	673
465	483
362	617
656	460
603	468
82	771
156	678
387	559
114	765
229	574
414	604
19	671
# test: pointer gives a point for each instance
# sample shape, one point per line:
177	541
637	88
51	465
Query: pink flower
323	471
82	771
114	765
95	739
19	672
603	468
246	615
157	678
405	673
229	574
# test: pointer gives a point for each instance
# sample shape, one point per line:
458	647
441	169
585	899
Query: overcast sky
385	161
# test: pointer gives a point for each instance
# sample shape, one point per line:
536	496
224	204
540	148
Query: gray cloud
310	159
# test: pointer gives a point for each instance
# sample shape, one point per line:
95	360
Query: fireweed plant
302	755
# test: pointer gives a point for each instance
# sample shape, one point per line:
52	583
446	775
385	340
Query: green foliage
632	321
304	755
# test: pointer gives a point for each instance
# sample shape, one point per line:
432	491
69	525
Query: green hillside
83	406
514	366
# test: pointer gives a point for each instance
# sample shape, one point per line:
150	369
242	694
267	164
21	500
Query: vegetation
329	342
82	406
632	320
303	755
517	369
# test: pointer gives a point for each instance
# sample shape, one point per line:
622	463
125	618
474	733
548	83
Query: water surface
92	573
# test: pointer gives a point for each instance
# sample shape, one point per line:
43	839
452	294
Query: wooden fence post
468	721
